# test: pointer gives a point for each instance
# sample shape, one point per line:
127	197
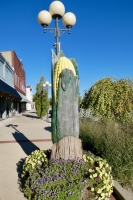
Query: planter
122	193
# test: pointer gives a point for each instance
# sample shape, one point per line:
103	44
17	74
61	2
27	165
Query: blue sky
101	41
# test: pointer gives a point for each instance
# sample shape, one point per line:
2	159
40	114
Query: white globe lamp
69	19
56	9
44	18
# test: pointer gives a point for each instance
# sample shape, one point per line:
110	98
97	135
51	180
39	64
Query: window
1	69
18	82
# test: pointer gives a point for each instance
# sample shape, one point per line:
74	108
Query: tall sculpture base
67	148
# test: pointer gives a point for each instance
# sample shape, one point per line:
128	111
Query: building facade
29	96
19	76
9	97
19	73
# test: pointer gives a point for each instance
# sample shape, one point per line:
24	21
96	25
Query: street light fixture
47	85
56	11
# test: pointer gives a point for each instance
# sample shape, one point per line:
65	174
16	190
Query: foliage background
40	98
110	98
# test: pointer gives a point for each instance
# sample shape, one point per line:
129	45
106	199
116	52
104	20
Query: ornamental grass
111	141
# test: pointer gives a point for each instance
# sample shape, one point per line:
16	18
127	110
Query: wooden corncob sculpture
65	94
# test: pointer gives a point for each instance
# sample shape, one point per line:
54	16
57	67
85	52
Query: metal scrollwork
57	32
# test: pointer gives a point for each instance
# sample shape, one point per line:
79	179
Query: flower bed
52	179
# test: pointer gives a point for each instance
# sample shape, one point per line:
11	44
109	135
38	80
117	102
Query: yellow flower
101	175
97	168
91	176
99	191
108	188
100	164
90	170
99	198
33	164
94	175
102	194
106	174
92	189
107	165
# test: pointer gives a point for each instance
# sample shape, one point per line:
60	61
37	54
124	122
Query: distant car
50	113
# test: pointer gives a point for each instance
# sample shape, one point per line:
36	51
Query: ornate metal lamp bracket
58	32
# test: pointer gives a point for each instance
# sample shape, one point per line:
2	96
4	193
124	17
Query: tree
80	100
110	98
50	102
40	98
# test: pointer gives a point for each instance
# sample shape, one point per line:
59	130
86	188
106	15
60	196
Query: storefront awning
7	89
24	99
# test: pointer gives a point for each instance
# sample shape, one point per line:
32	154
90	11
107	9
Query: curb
123	194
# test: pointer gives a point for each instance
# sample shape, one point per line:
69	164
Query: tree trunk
67	148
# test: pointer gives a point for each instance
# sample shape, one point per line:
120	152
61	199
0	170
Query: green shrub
113	142
36	157
40	98
67	179
110	98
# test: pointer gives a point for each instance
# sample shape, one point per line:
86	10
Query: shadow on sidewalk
20	181
23	141
31	116
12	125
27	146
48	128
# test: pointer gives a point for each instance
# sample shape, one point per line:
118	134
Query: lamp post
56	11
47	85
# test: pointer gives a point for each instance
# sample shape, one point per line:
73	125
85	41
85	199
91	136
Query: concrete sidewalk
19	136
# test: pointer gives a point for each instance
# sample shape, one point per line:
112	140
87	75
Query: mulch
113	197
